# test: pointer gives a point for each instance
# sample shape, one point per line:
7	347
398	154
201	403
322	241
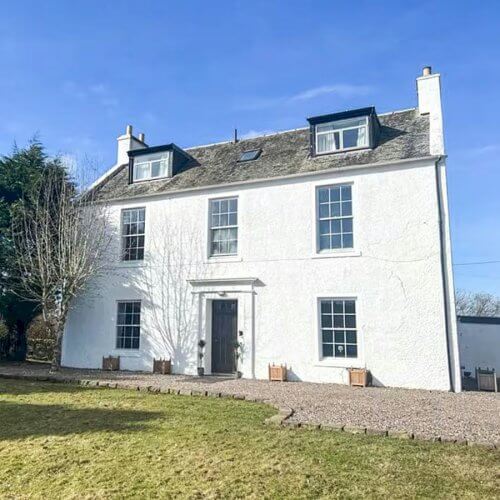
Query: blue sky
76	73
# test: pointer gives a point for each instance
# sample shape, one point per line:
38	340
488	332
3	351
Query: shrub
40	341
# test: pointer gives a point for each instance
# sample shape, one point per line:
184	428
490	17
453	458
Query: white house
322	248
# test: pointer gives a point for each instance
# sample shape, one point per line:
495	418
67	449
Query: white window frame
211	228
342	249
341	131
136	163
118	325
339	362
123	236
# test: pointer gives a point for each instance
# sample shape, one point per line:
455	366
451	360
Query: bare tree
60	238
176	255
477	304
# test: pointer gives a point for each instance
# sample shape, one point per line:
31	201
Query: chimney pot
427	71
129	130
142	137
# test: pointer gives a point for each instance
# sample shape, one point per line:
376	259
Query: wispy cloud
256	133
98	92
341	90
482	150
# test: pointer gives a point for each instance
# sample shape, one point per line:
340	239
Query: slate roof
403	135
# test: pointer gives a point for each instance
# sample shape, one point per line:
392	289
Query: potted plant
201	354
238	357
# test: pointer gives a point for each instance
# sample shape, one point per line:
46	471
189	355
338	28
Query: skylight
250	155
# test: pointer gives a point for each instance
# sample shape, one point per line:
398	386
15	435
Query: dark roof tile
403	135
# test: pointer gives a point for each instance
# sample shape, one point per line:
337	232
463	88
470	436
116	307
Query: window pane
335	210
323	195
141	171
326	306
327	350
324	227
336	241
326	143
324	211
348	122
347	241
351	138
352	351
339	336
350	306
335	226
346	225
346	193
324	243
335	194
233	247
338	321
326	321
350	321
338	307
339	350
350	337
346	208
328	336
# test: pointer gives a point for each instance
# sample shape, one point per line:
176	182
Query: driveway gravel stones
467	417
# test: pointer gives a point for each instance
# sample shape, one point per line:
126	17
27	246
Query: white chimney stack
127	142
429	103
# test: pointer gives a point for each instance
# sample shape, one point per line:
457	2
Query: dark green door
224	335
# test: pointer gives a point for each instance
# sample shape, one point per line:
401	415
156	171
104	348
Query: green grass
66	441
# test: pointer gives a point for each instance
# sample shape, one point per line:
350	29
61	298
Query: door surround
241	289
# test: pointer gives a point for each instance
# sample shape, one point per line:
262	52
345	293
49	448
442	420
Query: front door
224	335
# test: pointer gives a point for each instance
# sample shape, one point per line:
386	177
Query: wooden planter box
486	380
162	366
111	363
358	377
277	373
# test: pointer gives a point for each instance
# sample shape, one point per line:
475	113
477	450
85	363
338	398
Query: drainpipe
443	275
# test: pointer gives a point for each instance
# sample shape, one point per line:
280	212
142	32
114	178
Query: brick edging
281	419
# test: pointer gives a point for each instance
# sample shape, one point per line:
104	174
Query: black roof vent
253	154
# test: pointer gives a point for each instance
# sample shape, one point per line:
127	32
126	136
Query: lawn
66	441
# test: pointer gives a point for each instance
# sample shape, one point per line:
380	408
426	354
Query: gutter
235	185
443	273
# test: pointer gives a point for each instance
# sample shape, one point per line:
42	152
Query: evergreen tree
20	173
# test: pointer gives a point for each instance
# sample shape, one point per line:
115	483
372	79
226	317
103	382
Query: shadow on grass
22	420
21	387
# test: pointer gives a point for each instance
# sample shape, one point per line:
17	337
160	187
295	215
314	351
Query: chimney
429	103
142	137
127	142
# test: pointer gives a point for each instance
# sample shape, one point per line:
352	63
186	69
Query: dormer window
345	131
151	167
342	135
157	162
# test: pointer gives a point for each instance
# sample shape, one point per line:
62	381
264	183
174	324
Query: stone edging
281	419
390	433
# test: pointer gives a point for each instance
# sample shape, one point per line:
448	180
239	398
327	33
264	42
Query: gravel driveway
470	416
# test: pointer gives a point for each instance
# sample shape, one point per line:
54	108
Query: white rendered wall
479	346
394	272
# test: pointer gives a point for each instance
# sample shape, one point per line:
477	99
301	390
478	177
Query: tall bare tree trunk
57	355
